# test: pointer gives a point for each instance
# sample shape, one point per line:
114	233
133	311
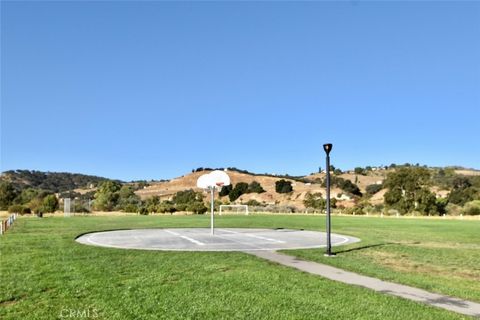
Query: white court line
254	236
341	242
185	237
242	243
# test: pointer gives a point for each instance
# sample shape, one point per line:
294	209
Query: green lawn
45	274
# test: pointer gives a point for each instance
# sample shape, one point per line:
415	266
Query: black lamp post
328	147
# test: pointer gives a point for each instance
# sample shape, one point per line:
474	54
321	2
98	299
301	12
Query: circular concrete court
200	239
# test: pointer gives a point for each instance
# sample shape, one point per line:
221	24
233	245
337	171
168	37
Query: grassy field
45	274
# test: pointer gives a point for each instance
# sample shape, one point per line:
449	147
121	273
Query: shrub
333	203
16	208
167	207
392	212
197	207
356	211
461	195
186	197
130	208
373	188
314	201
151	204
453	209
283	186
36	205
50	203
80	208
253	202
181	207
472	208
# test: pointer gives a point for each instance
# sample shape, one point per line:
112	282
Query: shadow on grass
365	247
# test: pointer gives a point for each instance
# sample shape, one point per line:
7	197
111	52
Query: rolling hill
165	189
52	181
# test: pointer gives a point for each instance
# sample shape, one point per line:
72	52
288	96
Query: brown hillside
360	180
166	189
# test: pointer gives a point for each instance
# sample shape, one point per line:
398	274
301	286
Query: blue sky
150	90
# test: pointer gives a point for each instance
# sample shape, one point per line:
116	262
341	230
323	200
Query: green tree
314	200
408	190
50	203
36	205
197	207
348	186
127	199
373	188
7	194
463	191
152	204
188	200
26	195
426	202
472	208
186	197
126	192
359	170
167	207
239	189
225	191
283	186
107	195
255	187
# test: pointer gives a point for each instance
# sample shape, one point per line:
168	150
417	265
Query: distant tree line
113	196
409	191
50	181
28	200
285	176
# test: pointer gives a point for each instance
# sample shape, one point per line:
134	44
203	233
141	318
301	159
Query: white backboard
213	179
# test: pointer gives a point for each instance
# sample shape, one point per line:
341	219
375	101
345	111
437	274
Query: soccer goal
67	205
234	208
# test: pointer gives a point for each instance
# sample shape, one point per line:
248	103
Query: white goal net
234	208
67	204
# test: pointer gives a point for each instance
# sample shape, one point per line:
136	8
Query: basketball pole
212	207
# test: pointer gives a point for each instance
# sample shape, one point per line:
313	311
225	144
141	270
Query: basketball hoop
212	181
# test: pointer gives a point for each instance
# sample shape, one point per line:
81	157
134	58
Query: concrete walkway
453	304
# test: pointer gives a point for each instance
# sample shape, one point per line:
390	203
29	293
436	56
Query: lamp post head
327	147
